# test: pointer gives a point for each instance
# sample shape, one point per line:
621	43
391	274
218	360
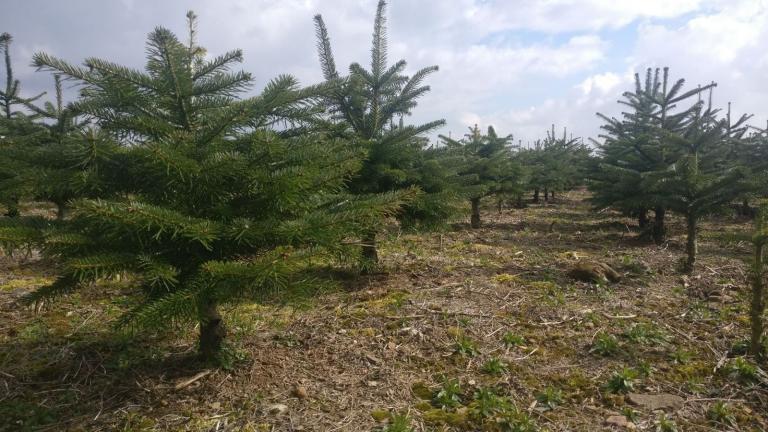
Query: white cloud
726	44
600	83
520	65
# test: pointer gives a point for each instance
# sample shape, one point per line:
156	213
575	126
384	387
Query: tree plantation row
202	196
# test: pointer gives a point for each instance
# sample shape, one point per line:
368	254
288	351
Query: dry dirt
441	309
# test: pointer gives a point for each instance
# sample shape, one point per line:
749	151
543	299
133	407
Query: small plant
720	413
739	348
742	370
493	412
644	368
504	278
495	366
398	423
605	344
488	404
664	424
630	414
515	420
449	395
622	381
645	334
465	347
681	356
550	398
513	340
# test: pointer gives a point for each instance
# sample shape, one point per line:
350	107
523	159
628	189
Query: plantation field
461	330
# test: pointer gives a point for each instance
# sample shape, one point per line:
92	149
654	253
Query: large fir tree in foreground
216	208
368	106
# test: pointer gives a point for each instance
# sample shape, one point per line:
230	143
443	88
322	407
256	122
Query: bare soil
350	358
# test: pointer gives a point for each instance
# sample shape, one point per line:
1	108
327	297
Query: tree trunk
536	195
553	194
475	220
758	304
642	217
546	195
13	208
659	230
212	331
500	205
746	210
692	245
519	203
61	211
370	253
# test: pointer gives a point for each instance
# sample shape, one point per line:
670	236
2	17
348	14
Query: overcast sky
519	65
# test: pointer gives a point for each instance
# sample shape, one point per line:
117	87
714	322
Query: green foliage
465	347
209	205
488	166
368	107
550	398
665	424
555	164
513	340
742	370
449	394
645	334
720	413
495	366
630	414
664	154
605	344
398	423
490	411
622	381
636	146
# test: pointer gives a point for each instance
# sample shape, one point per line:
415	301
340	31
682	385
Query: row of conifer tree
204	195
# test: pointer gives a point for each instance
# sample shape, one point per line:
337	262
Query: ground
461	330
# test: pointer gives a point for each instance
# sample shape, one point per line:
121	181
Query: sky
519	65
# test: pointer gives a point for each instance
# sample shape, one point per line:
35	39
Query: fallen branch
527	355
192	380
619	316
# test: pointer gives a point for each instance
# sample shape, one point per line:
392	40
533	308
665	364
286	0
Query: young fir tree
64	163
368	106
556	164
17	129
209	206
703	178
751	152
635	145
487	165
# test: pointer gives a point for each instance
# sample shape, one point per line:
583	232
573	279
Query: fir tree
751	151
635	145
209	205
16	129
63	162
703	177
556	164
369	106
487	164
